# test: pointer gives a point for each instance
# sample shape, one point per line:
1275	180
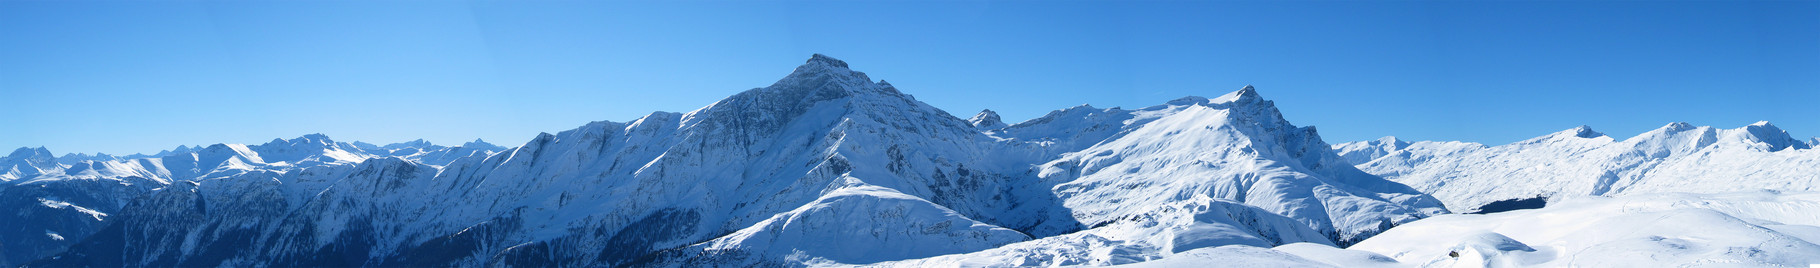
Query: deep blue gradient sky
127	77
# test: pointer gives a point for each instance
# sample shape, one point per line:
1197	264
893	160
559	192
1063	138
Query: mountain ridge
1676	157
768	176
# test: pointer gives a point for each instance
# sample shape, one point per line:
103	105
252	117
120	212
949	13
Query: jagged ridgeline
825	166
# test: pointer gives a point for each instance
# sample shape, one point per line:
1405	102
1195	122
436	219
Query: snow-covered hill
1739	229
1677	157
823	167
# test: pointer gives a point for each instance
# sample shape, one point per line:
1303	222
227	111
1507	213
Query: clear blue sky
137	76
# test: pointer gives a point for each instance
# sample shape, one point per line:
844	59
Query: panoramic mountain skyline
829	167
1395	134
788	174
190	73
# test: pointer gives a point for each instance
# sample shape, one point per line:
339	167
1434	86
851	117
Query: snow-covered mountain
1193	173
823	167
1365	151
1677	157
986	119
56	202
27	162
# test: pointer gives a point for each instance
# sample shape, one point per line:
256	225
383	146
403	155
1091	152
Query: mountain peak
1360	152
29	152
1189	100
1763	125
986	119
481	144
1244	95
821	70
1778	139
417	143
1582	131
315	137
1393	141
818	58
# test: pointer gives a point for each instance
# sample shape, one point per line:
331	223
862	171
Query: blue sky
141	76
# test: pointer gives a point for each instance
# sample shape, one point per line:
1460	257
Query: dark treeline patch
1512	204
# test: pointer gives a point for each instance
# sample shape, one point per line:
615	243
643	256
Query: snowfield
1677	157
828	167
1742	229
1745	229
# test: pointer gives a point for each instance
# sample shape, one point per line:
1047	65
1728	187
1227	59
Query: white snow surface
1740	229
1196	224
1677	157
1290	255
895	226
1737	229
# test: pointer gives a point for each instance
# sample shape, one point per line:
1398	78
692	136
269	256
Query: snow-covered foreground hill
1679	195
1740	229
823	167
1677	157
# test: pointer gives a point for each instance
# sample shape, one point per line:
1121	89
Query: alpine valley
827	167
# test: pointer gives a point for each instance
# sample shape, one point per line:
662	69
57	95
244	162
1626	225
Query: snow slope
1290	255
1244	151
896	226
1677	157
1738	229
1187	226
1742	229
